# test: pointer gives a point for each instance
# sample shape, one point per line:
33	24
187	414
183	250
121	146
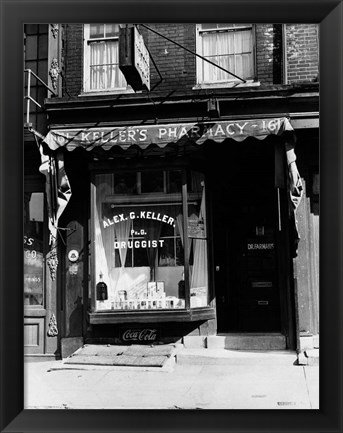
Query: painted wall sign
161	135
146	335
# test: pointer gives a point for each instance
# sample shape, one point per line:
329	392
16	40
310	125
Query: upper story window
231	46
101	58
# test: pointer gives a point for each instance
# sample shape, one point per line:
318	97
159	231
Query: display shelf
147	316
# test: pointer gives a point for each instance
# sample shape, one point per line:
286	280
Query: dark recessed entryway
246	239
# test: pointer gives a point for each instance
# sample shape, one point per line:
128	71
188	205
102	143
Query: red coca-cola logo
140	335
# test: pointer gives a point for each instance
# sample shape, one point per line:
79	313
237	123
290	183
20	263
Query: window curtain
104	237
153	232
100	254
243	57
122	231
231	50
199	275
179	222
104	69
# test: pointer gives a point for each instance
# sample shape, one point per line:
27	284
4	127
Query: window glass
139	252
174	181
229	46
33	248
96	31
102	58
111	30
125	183
152	181
197	234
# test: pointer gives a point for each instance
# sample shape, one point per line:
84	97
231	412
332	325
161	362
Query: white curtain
122	231
100	254
199	277
104	69
179	222
230	50
104	237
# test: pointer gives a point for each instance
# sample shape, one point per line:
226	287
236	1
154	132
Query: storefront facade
186	226
188	230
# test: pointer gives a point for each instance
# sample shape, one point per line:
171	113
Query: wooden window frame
118	316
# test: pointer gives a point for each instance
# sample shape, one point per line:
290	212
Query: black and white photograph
171	216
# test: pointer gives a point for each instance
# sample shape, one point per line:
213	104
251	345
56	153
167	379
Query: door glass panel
33	248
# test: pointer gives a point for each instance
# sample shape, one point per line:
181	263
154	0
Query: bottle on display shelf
101	289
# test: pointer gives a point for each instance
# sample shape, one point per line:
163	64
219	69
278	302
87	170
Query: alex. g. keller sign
161	135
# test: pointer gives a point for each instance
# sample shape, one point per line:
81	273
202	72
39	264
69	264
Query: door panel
246	243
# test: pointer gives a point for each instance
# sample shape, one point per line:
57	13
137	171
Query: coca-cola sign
146	335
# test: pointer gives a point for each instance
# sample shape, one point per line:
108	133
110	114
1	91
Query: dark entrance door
246	241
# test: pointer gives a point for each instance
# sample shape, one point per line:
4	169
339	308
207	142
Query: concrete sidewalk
198	380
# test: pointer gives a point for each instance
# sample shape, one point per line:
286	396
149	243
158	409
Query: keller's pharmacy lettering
159	134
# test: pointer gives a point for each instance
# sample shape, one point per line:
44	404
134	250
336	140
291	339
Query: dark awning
161	135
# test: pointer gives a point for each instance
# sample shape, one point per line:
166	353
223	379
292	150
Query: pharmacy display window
149	241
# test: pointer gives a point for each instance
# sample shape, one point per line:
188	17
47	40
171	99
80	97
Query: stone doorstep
235	357
309	357
247	342
236	342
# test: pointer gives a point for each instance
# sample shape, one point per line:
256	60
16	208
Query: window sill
112	317
229	85
106	92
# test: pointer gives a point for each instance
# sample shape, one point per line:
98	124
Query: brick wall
269	53
178	67
72	55
302	52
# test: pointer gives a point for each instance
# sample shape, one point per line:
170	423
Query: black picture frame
14	13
